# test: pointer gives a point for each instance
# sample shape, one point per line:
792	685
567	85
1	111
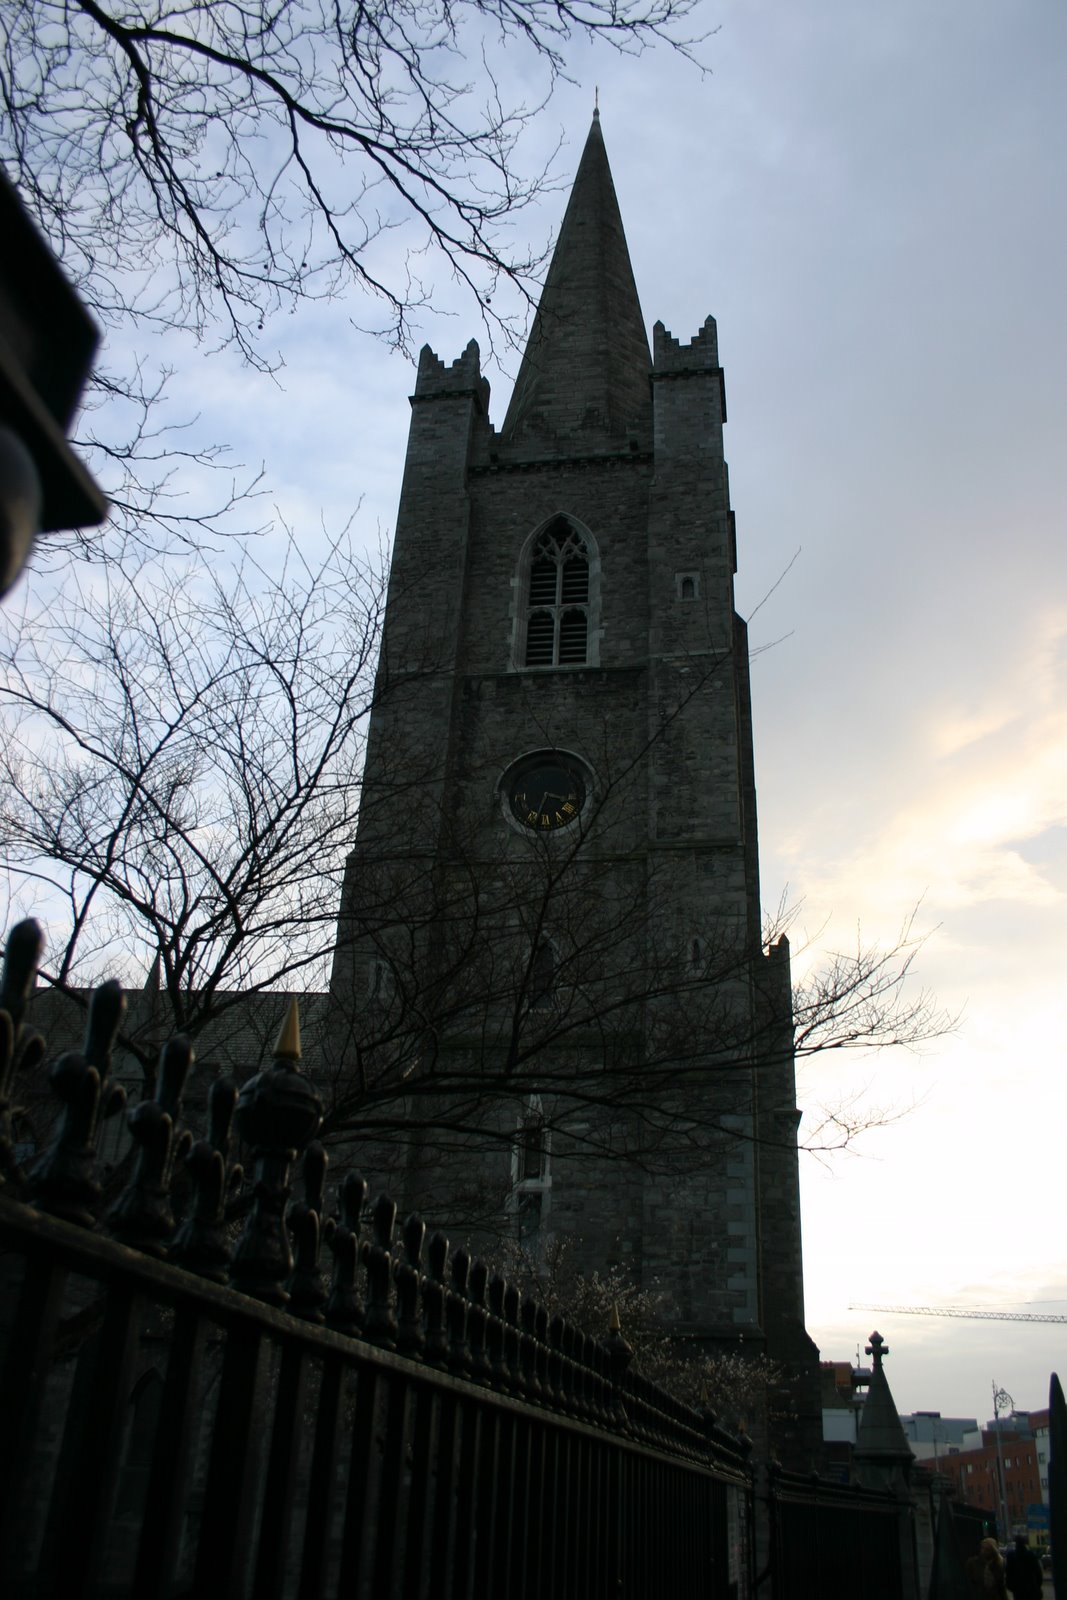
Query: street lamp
1002	1400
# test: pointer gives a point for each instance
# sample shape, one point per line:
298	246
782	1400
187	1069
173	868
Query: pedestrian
987	1572
1023	1571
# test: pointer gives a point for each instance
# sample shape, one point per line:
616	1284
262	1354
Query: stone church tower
558	1015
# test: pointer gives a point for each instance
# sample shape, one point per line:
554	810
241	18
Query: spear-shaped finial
288	1046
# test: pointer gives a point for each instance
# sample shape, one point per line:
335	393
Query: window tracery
558	598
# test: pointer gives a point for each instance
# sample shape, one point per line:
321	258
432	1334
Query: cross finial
877	1348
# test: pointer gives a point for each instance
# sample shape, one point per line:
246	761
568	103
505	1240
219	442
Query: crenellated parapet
671	355
436	381
689	407
699	358
779	974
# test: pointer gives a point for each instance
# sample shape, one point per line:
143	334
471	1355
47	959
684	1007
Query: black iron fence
829	1539
186	1415
327	1404
167	1436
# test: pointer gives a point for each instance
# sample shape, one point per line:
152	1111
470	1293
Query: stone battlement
435	380
670	355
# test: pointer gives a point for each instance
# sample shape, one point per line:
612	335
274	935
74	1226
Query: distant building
839	1385
932	1436
974	1477
1039	1424
973	1470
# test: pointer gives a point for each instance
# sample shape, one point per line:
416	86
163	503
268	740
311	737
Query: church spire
583	386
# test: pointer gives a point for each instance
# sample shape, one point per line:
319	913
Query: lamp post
1001	1399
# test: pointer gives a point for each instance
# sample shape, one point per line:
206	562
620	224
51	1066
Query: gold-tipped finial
614	1325
288	1046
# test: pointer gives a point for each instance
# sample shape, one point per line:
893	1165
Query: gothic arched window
558	594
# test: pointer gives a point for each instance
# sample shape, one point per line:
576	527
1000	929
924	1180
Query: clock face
545	792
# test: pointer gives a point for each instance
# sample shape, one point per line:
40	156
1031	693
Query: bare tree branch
182	772
250	155
182	765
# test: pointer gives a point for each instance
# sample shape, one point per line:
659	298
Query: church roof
583	386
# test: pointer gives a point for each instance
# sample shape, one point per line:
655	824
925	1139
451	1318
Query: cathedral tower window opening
559	599
380	981
530	1217
531	1179
542	976
532	1147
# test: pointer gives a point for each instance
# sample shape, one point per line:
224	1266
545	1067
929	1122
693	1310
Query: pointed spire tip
583	385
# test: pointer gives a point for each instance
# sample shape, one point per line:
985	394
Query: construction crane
962	1311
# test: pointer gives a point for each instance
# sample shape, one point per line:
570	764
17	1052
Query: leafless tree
172	492
568	996
477	974
737	1386
203	167
180	778
247	156
181	775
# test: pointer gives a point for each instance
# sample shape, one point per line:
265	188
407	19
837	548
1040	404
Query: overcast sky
871	202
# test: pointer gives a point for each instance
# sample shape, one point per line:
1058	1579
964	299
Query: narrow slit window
532	1154
530	1176
542	977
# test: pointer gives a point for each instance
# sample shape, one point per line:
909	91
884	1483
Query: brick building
554	890
975	1474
